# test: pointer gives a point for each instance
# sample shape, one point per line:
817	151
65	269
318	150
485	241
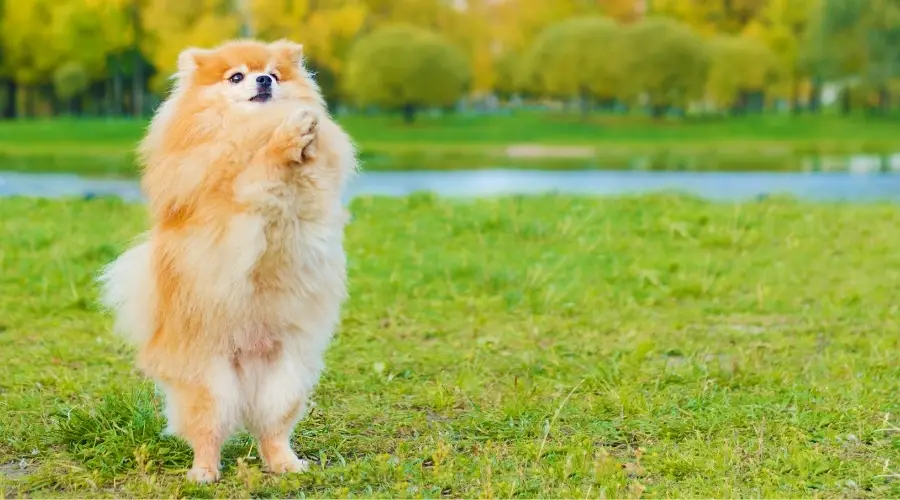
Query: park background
739	339
652	84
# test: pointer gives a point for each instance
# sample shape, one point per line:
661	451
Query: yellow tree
9	87
172	25
710	17
784	25
91	35
623	11
326	31
518	22
22	30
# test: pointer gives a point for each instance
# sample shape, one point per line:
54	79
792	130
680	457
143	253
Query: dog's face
247	75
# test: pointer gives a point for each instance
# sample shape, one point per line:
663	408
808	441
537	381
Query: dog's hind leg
277	388
204	414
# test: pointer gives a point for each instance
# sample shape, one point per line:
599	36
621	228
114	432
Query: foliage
739	65
41	35
134	43
172	25
784	27
407	68
538	347
577	58
507	71
861	41
668	62
326	31
70	80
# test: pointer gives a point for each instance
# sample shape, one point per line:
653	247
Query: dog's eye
236	78
275	77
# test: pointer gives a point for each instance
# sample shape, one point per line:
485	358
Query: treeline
114	57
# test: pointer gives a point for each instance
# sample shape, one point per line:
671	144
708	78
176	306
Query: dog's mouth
263	96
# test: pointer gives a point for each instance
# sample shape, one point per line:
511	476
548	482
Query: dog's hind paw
202	475
290	466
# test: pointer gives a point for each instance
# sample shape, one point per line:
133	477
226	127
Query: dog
234	293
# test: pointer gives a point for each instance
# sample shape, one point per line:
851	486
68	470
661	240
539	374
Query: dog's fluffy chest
298	282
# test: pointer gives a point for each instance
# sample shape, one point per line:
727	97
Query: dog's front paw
296	136
202	475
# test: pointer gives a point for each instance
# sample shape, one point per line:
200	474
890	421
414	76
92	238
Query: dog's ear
192	58
292	51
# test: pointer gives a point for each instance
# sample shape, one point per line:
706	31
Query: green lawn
468	141
654	346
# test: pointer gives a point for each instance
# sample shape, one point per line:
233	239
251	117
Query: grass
475	141
655	346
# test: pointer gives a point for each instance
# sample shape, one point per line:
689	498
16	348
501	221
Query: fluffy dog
232	296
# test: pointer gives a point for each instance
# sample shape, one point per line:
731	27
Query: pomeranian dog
234	293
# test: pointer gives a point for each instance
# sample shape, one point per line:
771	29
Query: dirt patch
536	151
15	470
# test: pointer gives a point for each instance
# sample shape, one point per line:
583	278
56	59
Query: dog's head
246	74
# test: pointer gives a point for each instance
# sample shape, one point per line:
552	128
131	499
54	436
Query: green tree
668	63
506	75
407	68
70	80
859	42
741	69
784	27
577	59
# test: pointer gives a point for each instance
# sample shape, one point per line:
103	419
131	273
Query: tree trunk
29	102
409	113
117	88
9	107
585	103
846	102
78	105
814	101
795	94
55	104
137	87
884	99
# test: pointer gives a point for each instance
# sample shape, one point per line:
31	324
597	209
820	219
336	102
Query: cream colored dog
234	294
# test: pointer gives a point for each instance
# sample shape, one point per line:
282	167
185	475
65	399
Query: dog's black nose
264	81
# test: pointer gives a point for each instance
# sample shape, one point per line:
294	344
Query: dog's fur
233	295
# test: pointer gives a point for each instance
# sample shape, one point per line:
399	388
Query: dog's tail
128	290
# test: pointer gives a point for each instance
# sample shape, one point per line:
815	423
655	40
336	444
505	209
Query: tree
855	40
7	82
171	25
577	59
70	80
741	69
711	17
326	31
507	70
407	68
23	29
784	26
667	63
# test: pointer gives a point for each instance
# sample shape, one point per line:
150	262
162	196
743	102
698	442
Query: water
720	186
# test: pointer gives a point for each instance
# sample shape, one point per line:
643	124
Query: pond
721	186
